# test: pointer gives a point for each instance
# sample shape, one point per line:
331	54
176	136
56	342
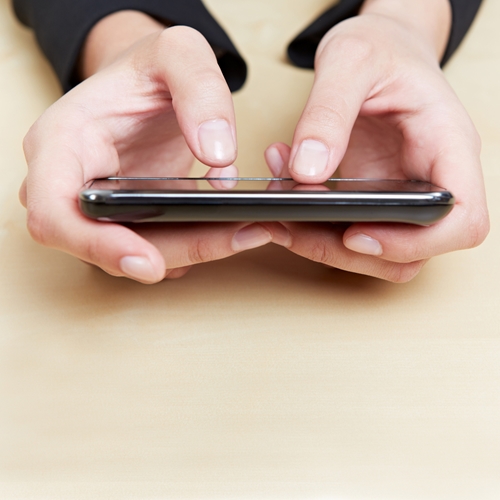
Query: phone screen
262	185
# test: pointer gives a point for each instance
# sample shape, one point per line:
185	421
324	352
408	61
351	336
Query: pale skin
155	97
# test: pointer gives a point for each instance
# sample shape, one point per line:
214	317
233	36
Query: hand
380	107
144	110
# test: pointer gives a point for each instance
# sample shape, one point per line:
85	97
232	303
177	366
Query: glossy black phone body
242	199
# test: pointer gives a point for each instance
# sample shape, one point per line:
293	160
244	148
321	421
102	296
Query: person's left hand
381	108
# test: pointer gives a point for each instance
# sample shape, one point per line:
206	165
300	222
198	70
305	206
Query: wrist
429	19
112	36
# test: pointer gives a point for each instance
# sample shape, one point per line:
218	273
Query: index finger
185	64
343	81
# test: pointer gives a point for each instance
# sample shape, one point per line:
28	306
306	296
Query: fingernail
311	158
251	236
217	141
275	161
362	243
138	268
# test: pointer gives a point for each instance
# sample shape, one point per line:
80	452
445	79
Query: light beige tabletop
261	376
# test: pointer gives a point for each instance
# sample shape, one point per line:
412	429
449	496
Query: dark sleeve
463	13
302	49
61	27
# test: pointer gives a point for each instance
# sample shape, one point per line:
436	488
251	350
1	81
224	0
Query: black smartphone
169	199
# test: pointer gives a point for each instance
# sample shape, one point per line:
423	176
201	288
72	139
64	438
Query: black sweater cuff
61	27
302	49
463	14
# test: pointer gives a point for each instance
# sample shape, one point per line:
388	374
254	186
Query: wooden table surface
260	376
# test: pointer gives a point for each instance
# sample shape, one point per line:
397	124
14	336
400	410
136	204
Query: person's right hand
147	110
381	108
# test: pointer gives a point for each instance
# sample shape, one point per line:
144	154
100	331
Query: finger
449	157
405	243
187	244
465	227
54	219
175	274
223	178
323	243
186	63
343	81
114	248
143	254
277	157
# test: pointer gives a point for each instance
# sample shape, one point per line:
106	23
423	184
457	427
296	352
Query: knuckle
412	253
358	48
181	36
479	228
191	56
211	84
324	117
27	142
37	227
320	251
201	251
403	273
178	273
30	139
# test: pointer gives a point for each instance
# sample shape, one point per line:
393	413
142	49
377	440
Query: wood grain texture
262	376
